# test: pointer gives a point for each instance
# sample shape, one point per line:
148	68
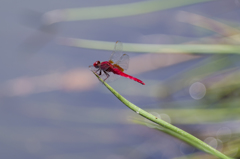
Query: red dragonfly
116	65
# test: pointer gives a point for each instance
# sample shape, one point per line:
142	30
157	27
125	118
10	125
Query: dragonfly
116	65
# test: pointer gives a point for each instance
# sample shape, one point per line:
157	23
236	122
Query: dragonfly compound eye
96	64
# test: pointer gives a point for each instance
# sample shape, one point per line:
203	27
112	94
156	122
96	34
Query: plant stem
172	130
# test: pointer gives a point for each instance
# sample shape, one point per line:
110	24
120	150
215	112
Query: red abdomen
118	72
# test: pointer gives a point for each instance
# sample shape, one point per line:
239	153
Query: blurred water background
53	107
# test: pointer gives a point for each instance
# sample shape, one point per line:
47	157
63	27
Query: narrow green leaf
152	48
113	11
174	131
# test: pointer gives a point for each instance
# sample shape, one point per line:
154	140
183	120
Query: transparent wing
93	69
112	77
123	61
98	71
117	52
118	58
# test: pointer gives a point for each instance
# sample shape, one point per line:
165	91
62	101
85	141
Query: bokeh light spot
165	117
150	123
212	142
197	90
224	134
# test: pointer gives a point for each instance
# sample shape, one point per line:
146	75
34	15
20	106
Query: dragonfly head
96	64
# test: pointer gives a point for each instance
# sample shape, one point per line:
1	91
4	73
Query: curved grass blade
229	33
168	128
152	48
113	11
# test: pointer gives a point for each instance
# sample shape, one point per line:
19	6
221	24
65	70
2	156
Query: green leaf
166	127
152	48
113	11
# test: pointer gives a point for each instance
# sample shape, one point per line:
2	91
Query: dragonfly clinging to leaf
116	65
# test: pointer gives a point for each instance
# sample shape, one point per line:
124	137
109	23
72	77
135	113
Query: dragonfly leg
99	72
107	75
